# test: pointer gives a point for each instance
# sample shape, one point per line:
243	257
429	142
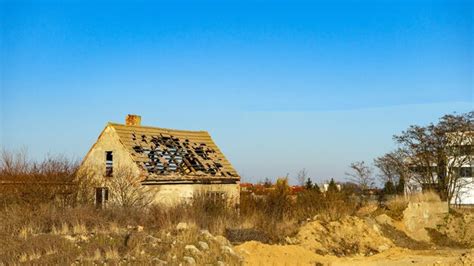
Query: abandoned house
169	166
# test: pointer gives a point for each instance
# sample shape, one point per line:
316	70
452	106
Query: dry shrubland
53	179
47	233
395	205
45	217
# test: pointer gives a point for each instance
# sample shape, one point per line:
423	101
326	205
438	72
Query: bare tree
14	164
302	176
361	175
126	189
85	184
28	181
394	169
437	152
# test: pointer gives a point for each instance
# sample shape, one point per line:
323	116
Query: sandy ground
256	253
353	240
398	256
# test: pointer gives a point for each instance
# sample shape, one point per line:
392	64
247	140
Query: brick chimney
133	120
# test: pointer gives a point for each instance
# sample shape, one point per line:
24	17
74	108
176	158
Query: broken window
215	196
109	164
101	196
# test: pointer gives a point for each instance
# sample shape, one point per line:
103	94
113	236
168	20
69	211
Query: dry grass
113	228
51	250
32	223
397	204
330	206
97	255
25	257
112	254
428	196
79	229
62	230
25	232
266	218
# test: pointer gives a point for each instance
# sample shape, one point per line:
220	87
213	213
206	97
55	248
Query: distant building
463	194
325	187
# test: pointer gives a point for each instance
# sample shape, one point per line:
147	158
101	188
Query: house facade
460	165
165	166
463	195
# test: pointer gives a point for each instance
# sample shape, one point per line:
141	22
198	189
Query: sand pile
459	226
353	241
256	253
467	258
349	236
421	215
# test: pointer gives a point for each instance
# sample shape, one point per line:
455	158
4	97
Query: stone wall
175	194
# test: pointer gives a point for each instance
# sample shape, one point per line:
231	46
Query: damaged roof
168	154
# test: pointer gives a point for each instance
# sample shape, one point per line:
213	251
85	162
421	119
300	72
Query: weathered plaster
93	167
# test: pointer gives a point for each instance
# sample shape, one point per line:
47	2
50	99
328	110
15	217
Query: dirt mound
467	258
349	236
256	253
459	226
401	257
401	239
421	215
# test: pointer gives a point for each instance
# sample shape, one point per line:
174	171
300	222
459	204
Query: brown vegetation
47	215
28	182
36	227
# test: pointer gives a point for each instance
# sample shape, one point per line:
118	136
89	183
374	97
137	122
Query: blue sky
280	85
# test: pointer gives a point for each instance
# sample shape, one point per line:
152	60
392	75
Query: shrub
278	202
32	210
428	196
310	202
29	182
395	207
